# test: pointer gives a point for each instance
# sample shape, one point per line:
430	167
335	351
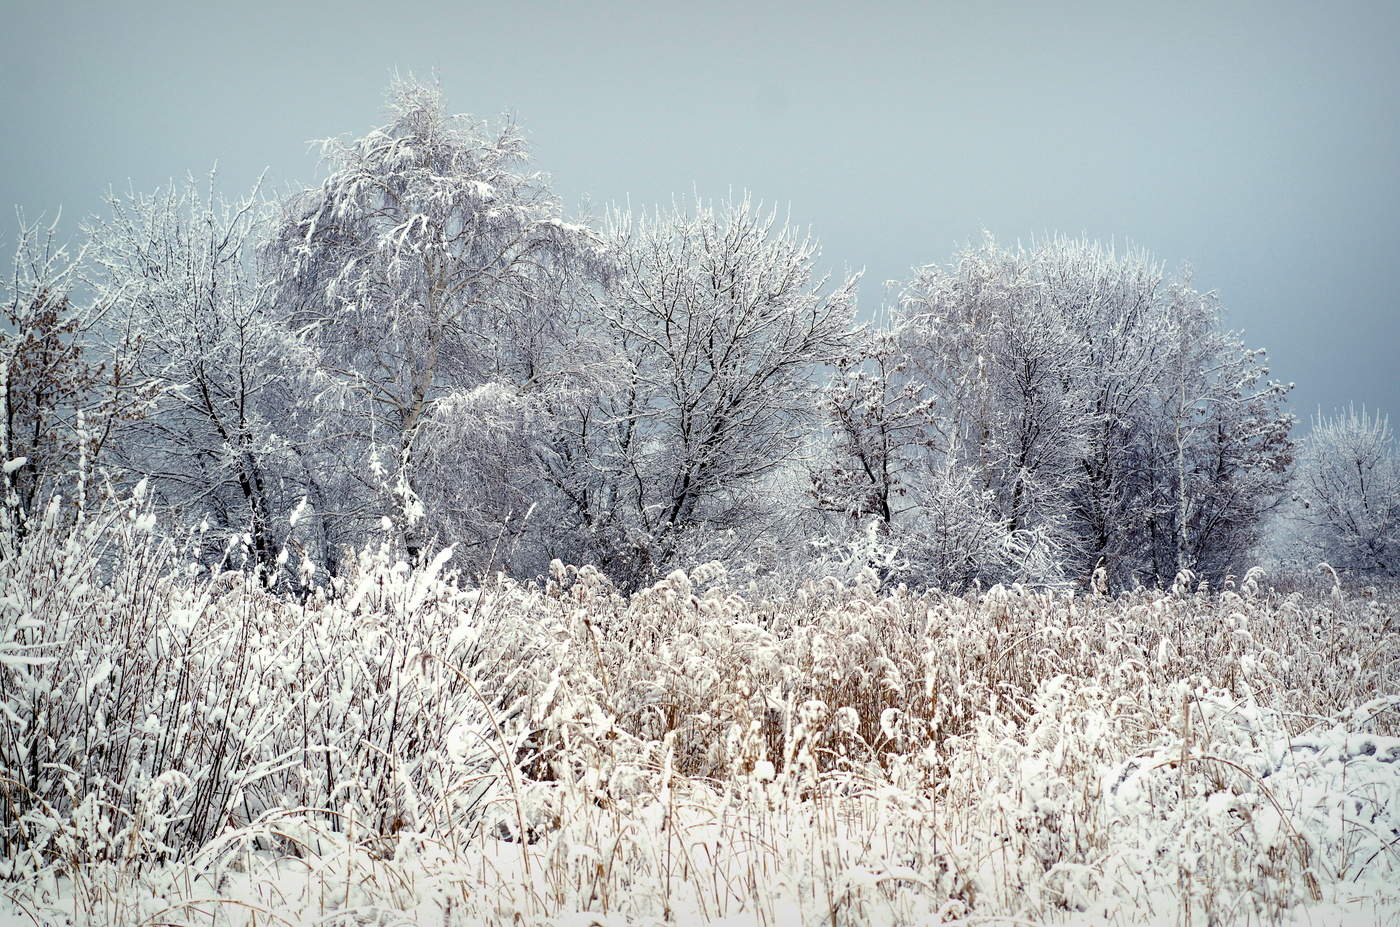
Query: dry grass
181	746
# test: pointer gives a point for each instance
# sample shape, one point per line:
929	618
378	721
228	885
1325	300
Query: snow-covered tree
719	323
880	420
1347	489
59	399
882	479
178	270
1216	446
1005	368
427	265
1100	407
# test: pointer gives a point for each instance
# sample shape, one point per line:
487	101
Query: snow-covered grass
181	746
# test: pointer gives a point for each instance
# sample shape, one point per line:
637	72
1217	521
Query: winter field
181	746
936	613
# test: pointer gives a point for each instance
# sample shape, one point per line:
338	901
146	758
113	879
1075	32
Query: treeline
422	346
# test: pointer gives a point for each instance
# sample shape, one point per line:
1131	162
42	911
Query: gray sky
1260	142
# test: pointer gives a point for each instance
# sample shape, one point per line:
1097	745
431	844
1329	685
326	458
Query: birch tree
423	266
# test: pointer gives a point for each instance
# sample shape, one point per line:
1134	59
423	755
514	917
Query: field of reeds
180	745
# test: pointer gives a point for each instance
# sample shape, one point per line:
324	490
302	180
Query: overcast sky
1258	142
